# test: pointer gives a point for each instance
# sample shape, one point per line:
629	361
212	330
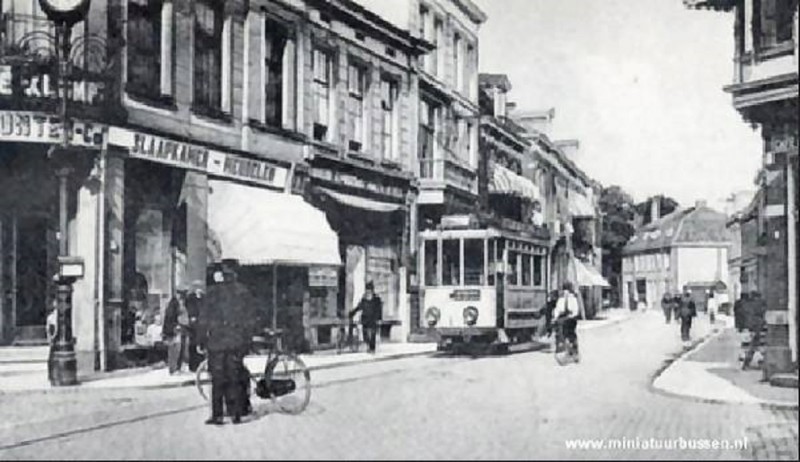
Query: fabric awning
361	202
257	226
505	181
588	276
579	206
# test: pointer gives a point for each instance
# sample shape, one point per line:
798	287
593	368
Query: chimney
655	208
510	108
700	203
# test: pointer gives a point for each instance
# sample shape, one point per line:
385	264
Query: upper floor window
427	129
144	47
322	93
208	26
389	94
469	71
424	18
458	65
276	53
437	56
356	90
776	21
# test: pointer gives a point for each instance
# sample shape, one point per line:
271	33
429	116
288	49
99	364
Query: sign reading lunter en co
184	155
33	127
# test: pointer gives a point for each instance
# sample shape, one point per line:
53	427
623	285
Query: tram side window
526	270
513	268
451	262
473	262
538	270
492	259
431	263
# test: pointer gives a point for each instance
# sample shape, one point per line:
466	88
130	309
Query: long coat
228	318
371	311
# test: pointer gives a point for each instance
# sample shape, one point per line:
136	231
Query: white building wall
702	264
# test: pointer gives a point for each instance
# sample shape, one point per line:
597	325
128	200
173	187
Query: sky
637	82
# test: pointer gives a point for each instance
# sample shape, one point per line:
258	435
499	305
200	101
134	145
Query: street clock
65	11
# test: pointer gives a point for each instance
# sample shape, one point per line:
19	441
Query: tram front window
526	270
538	270
513	268
451	262
473	262
431	263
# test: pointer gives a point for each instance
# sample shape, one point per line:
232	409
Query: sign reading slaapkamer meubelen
194	157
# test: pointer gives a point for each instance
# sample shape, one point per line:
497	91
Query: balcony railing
448	172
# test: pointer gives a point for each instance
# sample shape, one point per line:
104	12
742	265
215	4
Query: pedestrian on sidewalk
552	298
712	307
687	312
666	305
371	308
193	307
756	309
175	331
740	313
226	328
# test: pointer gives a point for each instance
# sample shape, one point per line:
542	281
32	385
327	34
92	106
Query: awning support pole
274	297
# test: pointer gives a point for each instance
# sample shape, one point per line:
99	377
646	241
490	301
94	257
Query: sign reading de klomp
184	155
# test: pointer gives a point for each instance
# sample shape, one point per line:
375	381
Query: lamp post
63	369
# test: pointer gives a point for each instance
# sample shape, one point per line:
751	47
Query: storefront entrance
28	246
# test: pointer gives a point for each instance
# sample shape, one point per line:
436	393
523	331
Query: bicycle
565	350
286	380
348	337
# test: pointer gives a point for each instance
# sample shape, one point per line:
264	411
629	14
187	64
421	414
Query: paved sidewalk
160	378
712	372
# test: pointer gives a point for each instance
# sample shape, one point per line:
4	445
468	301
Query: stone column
114	245
196	194
85	241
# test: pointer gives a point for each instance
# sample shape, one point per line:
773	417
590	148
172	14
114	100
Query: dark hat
370	286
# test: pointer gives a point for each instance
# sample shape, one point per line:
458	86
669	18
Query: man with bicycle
567	311
225	329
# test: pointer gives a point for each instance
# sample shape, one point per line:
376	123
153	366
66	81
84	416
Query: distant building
686	247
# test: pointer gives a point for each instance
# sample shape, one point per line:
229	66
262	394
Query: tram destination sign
465	295
194	157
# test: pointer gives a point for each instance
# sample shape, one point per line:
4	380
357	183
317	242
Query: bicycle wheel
355	340
290	368
202	380
341	341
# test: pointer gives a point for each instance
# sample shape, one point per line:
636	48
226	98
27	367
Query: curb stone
696	345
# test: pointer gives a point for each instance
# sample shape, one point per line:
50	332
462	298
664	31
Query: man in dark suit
371	308
226	327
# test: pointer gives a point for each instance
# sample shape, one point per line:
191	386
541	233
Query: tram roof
483	233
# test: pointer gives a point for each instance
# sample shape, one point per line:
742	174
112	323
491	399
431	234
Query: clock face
63	6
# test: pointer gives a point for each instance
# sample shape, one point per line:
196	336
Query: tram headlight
432	316
470	315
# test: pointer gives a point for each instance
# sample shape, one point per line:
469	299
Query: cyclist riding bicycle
567	311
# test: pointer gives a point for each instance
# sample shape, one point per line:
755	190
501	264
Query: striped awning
505	181
588	276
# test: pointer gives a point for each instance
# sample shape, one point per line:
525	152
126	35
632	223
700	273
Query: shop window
356	90
208	25
451	262
322	103
538	271
513	268
527	271
389	92
144	47
277	53
431	263
473	262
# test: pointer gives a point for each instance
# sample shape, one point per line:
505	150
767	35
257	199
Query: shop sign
354	181
323	276
32	81
32	127
189	156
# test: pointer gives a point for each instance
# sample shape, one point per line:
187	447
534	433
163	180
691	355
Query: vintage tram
483	287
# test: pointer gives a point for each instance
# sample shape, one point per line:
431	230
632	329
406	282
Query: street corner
708	370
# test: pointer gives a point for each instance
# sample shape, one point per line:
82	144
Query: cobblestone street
516	406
